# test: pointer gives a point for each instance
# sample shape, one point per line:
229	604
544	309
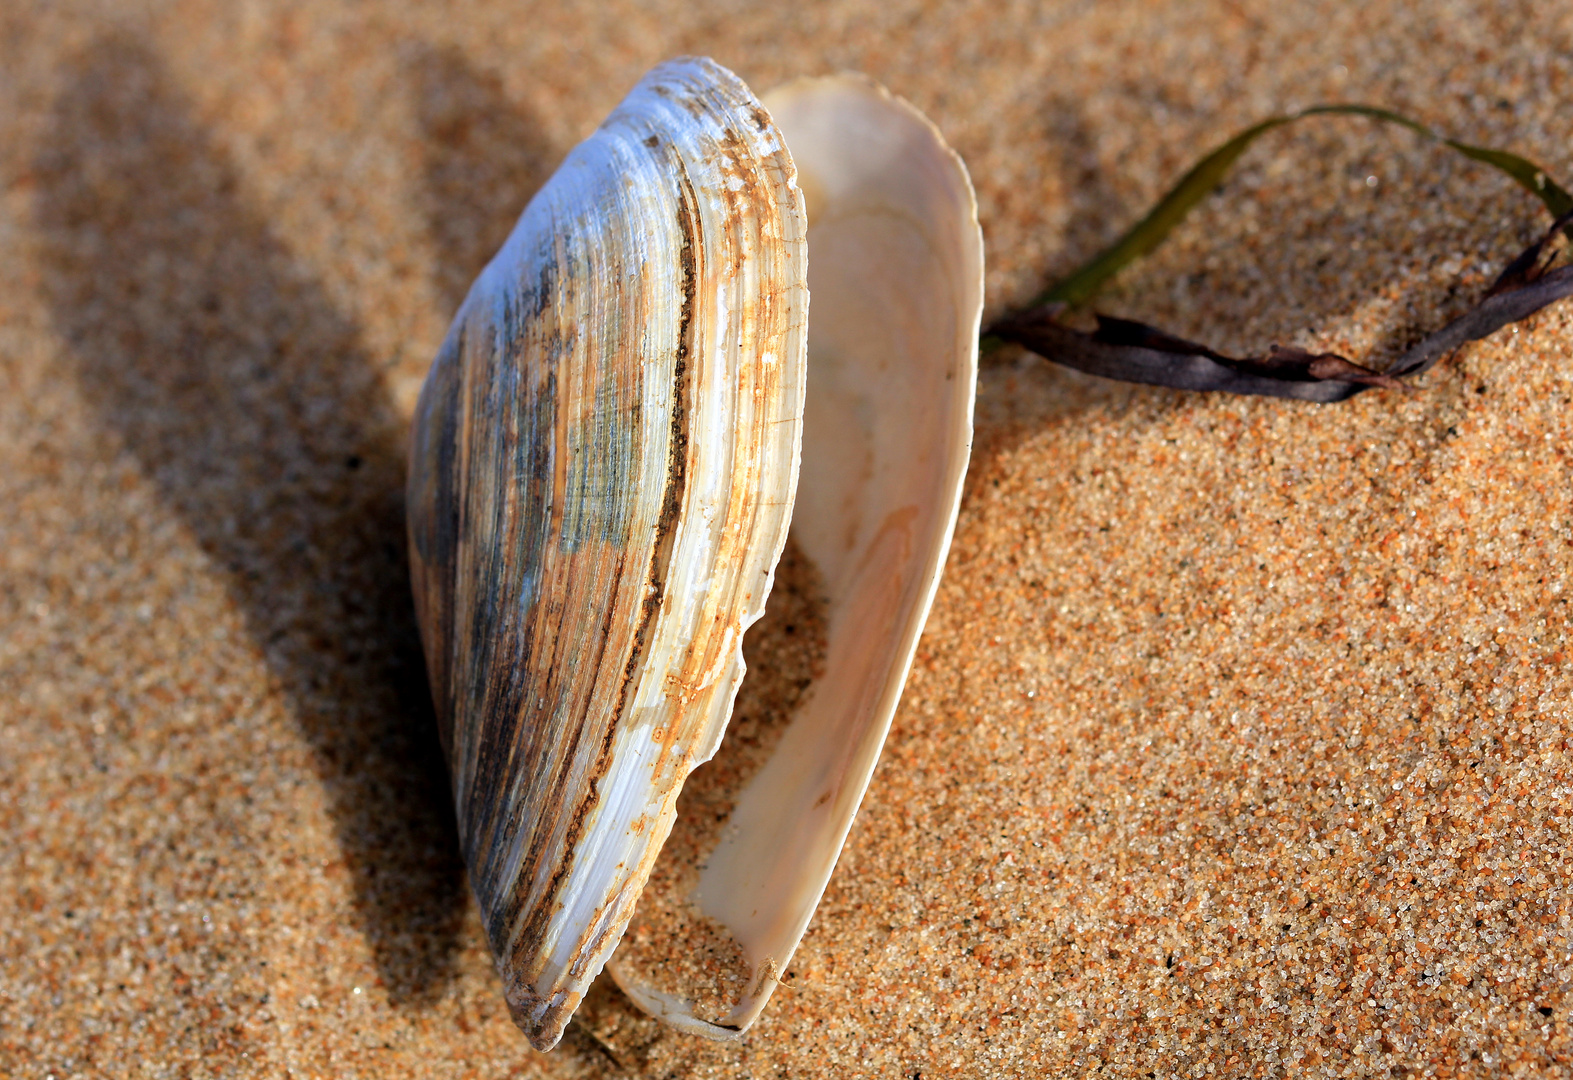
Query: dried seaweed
1135	352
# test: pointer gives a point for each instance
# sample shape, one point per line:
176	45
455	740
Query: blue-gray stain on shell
602	467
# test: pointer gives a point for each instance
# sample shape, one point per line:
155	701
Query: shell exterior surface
896	272
602	468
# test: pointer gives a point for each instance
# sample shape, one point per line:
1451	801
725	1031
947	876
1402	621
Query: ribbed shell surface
602	469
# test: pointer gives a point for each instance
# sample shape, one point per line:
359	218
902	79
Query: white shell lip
603	466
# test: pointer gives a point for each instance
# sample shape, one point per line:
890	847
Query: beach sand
1237	743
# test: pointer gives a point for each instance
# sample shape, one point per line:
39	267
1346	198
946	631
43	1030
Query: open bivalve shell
604	467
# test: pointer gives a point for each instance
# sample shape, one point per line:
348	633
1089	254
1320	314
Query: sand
1238	741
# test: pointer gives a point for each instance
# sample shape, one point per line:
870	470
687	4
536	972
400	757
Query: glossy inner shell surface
602	468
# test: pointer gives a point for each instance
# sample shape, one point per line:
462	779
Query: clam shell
603	460
603	468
